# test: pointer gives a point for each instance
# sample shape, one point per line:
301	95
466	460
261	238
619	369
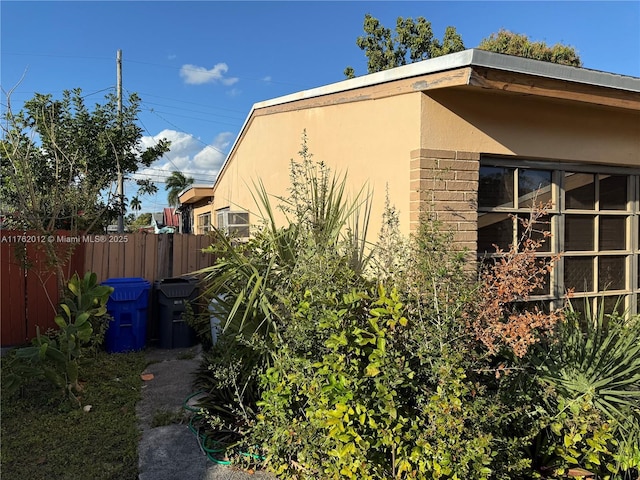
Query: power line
194	111
98	91
185	172
49	55
174	165
172	67
158	178
153	110
191	103
165	174
186	133
168	159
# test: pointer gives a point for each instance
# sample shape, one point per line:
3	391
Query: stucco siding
533	127
370	141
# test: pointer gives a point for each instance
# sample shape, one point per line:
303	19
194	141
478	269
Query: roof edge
466	58
511	63
433	65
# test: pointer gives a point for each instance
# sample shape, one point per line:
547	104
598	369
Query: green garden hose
209	446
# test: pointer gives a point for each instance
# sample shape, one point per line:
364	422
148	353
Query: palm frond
597	357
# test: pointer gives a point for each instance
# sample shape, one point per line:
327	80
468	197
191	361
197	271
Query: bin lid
179	287
165	281
113	282
127	289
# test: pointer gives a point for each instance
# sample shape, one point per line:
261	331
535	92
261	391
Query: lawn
45	436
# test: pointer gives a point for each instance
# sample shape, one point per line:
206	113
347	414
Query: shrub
55	356
361	409
398	361
593	366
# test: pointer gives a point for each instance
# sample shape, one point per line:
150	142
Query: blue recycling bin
128	306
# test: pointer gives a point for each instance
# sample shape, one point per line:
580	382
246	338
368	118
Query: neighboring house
195	206
471	137
158	223
171	218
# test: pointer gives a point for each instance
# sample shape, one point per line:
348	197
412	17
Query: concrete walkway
172	452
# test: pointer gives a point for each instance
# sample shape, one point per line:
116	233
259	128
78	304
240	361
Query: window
234	224
204	223
593	222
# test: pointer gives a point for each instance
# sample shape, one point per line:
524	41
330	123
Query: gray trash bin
172	295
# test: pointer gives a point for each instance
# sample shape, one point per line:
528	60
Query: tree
176	183
518	44
136	204
413	41
142	220
60	161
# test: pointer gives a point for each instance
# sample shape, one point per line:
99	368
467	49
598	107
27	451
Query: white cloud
188	155
267	78
195	75
212	156
223	140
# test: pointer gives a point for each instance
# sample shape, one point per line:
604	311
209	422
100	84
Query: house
195	209
471	136
158	222
171	218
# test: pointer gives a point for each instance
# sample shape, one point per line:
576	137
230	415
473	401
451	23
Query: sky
200	66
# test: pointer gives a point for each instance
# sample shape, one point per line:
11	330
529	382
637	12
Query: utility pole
120	188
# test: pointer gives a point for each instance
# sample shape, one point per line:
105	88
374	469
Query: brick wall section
444	183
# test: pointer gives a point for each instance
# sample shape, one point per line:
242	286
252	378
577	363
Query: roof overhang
195	194
469	58
470	69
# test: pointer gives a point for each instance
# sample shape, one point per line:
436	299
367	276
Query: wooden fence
145	255
28	286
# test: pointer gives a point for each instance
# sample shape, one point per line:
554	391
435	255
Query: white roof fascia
466	58
433	65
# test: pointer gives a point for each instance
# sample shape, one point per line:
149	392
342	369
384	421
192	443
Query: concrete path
172	452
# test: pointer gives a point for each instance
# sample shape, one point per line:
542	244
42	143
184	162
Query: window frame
559	213
222	222
204	227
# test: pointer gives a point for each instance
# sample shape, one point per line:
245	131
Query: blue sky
200	66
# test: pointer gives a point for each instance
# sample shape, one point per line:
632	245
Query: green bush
397	360
55	357
593	366
361	409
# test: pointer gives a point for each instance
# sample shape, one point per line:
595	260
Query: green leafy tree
520	45
411	41
142	220
60	161
176	183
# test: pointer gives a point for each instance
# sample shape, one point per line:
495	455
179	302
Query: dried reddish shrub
509	282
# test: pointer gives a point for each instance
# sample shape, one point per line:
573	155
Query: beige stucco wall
528	126
369	140
371	135
200	211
